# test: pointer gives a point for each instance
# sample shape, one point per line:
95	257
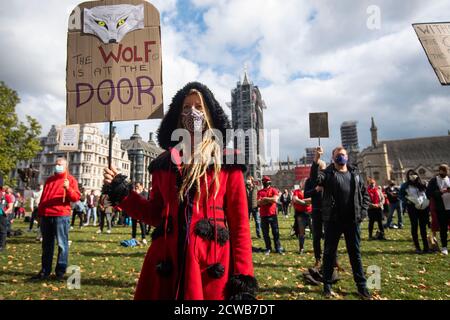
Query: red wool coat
228	211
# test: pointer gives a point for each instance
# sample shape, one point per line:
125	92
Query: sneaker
60	277
40	277
394	227
418	251
444	251
301	251
328	293
29	230
108	231
99	231
267	252
71	228
144	241
364	293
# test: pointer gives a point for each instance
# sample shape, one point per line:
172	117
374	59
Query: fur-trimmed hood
170	121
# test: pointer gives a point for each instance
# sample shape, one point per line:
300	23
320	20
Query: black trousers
317	232
419	220
103	215
444	220
78	214
34	216
134	223
375	215
3	230
285	208
352	235
267	223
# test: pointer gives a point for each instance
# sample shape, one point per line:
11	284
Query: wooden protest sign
114	68
435	40
318	125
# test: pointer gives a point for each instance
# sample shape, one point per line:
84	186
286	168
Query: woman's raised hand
109	174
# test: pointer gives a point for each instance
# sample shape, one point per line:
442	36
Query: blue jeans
91	211
392	207
255	214
352	235
271	222
51	228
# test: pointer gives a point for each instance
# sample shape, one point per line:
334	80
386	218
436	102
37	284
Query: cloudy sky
306	56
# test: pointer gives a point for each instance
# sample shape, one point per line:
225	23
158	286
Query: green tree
18	140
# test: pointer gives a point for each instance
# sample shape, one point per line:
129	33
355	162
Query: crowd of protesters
201	245
334	200
426	204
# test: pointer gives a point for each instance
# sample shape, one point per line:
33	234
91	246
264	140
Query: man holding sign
54	210
344	205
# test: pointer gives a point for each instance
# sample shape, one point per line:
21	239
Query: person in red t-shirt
375	211
303	210
267	202
7	204
54	210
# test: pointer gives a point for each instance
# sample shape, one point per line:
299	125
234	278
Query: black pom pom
204	229
164	268
242	287
222	235
159	230
216	271
118	189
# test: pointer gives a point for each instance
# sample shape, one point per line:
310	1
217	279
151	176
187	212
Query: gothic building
391	159
247	108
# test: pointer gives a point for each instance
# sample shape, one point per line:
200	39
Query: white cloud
382	73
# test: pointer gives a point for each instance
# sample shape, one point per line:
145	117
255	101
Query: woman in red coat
201	246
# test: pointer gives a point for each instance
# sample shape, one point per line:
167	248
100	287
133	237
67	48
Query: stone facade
86	164
141	153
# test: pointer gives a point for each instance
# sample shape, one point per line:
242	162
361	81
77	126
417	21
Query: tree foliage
18	140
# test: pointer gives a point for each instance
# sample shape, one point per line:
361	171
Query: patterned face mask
193	120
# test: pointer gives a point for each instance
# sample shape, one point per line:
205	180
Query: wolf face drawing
112	23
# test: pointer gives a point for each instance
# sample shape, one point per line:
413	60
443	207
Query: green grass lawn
109	271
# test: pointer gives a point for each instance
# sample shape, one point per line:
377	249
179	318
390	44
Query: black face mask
266	184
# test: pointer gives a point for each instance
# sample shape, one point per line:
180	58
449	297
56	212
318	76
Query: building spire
374	133
246	80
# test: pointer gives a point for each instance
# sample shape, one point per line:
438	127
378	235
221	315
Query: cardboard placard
318	125
114	67
435	40
68	138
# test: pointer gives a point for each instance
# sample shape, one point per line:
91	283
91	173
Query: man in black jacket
344	205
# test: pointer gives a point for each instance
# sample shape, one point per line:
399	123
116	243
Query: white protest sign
68	139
